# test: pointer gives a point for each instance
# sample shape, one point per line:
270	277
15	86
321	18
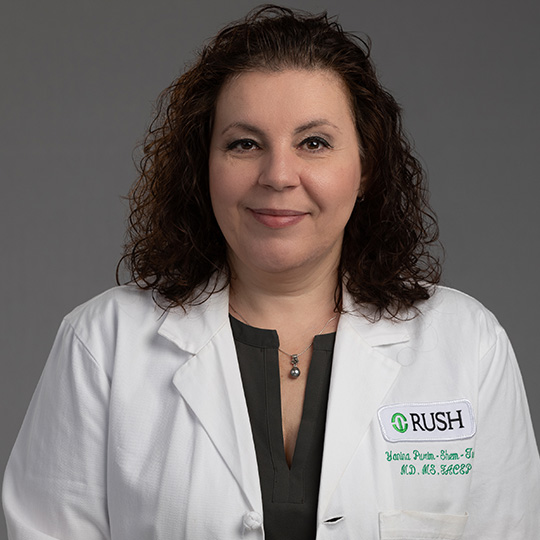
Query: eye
314	144
243	145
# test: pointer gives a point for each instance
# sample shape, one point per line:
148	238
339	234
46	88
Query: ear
363	188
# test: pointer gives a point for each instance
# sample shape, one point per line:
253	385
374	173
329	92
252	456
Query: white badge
436	421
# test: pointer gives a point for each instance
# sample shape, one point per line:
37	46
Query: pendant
295	371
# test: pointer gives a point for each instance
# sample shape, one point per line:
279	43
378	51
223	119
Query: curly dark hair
174	243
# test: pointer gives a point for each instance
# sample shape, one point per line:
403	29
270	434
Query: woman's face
284	169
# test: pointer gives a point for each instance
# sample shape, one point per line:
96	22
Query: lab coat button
252	520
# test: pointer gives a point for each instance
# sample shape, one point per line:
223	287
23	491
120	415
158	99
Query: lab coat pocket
410	525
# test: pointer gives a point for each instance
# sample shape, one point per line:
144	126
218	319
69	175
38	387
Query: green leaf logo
399	422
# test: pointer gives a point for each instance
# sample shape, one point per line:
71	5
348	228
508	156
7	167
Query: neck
295	300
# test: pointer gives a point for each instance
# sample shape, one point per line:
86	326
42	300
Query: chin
275	265
283	262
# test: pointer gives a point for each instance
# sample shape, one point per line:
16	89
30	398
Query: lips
277	218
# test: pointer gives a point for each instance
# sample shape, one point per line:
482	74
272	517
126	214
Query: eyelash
237	145
323	142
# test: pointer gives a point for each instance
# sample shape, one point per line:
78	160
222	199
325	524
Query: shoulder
450	304
448	319
117	319
456	315
125	302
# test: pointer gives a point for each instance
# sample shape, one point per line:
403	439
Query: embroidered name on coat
435	421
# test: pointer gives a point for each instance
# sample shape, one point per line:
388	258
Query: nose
280	169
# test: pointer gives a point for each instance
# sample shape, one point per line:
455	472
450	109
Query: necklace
295	370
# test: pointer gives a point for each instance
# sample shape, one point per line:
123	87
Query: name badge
436	421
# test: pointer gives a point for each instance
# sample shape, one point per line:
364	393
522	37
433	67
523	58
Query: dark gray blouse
289	495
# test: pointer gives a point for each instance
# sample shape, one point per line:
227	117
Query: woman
283	364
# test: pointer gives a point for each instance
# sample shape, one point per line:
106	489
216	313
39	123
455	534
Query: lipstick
277	218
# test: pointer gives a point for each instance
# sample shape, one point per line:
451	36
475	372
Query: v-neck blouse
289	495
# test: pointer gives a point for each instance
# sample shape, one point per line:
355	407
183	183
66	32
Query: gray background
78	83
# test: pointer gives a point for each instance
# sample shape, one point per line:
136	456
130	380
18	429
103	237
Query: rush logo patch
435	421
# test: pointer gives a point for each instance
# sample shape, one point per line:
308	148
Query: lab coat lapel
211	384
361	377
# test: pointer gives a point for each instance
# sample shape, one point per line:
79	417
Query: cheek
218	187
229	183
218	205
346	186
225	197
343	196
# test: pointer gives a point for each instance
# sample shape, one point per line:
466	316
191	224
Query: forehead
289	92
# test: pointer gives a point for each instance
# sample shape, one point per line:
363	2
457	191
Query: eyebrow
318	122
243	125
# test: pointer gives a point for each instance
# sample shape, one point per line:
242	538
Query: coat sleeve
505	489
55	481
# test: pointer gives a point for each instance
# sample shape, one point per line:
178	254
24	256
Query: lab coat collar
361	377
193	329
211	384
374	332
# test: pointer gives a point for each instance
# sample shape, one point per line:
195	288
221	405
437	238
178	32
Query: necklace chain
295	371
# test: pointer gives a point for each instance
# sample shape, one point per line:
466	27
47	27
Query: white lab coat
139	430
